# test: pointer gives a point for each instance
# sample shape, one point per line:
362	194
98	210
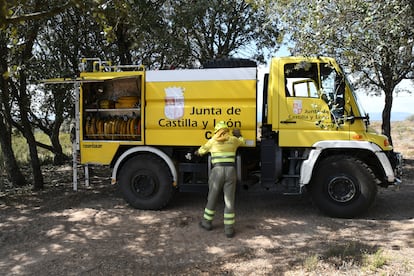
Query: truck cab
313	122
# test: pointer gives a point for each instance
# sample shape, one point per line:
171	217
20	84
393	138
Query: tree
19	26
219	29
23	55
14	88
373	38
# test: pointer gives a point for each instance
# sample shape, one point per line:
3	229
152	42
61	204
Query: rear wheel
145	182
343	186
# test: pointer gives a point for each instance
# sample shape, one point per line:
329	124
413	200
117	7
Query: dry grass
402	136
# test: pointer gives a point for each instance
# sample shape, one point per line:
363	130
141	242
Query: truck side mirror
340	85
340	102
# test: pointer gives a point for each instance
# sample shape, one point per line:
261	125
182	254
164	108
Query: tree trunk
123	44
56	147
388	86
14	173
386	115
60	158
24	105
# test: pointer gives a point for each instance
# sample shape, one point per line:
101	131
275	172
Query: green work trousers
222	179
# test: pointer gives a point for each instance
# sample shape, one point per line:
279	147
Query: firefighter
222	147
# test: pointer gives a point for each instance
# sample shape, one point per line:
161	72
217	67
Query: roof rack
99	65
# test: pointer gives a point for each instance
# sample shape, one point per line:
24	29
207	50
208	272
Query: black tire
145	182
229	63
343	186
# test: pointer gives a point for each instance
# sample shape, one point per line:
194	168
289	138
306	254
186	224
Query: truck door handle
288	122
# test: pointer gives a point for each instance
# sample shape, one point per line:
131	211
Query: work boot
206	225
229	231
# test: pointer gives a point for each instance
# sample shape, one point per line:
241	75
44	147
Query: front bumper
398	170
397	163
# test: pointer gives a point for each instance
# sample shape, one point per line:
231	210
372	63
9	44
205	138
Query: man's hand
196	153
236	132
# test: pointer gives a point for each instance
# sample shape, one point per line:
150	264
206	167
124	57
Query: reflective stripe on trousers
208	214
229	219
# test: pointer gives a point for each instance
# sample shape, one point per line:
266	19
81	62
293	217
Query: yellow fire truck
313	135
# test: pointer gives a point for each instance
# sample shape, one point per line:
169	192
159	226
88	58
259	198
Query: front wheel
343	186
145	182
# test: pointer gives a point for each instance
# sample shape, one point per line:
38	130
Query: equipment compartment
112	109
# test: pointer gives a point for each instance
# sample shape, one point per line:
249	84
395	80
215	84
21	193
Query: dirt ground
94	232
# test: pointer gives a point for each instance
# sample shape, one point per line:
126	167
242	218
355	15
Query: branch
39	144
37	15
378	75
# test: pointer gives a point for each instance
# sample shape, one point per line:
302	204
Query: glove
196	153
236	132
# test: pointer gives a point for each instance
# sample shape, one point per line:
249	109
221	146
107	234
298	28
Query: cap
219	126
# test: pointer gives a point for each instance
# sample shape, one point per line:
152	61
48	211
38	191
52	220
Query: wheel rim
144	186
342	189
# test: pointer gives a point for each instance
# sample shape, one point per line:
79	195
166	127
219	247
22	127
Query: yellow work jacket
222	151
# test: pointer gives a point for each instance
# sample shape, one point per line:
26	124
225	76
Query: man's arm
237	133
204	148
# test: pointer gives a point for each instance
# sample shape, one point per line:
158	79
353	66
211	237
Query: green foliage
311	262
375	261
13	13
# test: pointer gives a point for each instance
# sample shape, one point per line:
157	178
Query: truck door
310	103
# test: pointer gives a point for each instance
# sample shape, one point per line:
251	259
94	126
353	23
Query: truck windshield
361	110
